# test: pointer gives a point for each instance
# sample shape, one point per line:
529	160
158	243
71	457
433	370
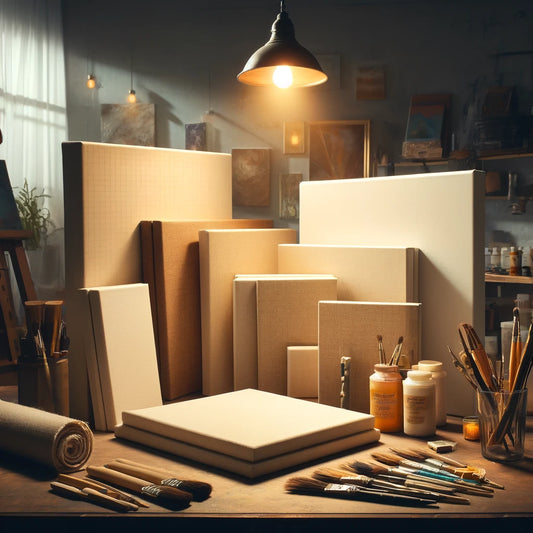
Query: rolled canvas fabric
60	442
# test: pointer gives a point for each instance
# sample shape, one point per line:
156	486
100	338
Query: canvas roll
60	442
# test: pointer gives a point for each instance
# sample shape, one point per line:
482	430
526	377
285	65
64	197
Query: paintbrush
401	477
381	351
91	495
200	490
415	468
516	348
162	493
520	383
346	364
440	460
463	369
303	485
331	475
419	464
82	483
396	352
463	472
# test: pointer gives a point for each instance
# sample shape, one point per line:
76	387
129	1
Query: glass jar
386	398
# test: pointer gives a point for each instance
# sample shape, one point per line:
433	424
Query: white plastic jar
419	404
438	374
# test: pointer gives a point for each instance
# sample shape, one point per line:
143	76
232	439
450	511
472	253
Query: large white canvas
442	215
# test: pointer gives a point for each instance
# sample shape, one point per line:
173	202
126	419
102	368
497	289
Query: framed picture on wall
251	176
289	195
339	149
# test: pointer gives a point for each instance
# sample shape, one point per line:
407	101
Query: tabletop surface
27	495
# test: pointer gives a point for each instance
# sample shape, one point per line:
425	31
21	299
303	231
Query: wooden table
263	505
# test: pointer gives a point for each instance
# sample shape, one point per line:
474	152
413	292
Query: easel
11	242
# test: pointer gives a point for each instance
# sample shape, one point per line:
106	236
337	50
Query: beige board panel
287	315
248	469
350	329
372	274
441	214
245	325
223	255
249	424
171	252
108	190
125	349
302	371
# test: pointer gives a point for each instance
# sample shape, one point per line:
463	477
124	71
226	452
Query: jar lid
419	375
380	367
429	365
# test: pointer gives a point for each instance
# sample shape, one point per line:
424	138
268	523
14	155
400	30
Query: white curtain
33	121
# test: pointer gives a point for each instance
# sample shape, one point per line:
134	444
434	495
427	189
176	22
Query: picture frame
294	137
251	177
339	149
289	195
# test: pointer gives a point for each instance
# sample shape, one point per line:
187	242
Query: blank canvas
441	214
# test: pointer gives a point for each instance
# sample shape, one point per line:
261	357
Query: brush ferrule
151	490
172	482
338	487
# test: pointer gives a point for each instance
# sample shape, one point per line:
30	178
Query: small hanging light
282	61
91	81
132	98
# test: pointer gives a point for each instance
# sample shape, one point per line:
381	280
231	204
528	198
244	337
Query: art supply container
471	428
419	404
386	398
44	384
439	377
502	423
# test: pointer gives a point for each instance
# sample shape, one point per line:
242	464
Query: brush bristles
408	454
198	489
169	494
386	458
304	485
332	475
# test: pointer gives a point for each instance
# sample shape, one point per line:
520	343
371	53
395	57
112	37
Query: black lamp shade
282	50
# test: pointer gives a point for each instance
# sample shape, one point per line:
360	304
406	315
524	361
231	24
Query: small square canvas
128	124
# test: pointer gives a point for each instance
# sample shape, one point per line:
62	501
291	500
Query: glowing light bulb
282	77
131	97
91	81
295	139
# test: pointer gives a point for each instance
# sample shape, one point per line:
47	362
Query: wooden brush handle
142	472
154	469
52	323
118	478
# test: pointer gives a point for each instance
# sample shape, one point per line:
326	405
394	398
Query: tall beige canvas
108	190
441	214
224	253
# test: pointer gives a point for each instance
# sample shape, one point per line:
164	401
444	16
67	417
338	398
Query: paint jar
438	374
386	398
505	260
495	259
419	404
514	262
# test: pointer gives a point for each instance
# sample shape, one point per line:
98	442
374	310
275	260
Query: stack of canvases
322	301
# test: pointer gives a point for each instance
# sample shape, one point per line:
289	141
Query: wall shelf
504	278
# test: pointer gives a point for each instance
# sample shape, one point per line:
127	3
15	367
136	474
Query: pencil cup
502	421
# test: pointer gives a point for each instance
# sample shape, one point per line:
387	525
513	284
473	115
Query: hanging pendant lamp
282	61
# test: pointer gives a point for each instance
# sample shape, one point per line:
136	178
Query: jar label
416	408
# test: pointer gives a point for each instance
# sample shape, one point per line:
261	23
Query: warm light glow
131	97
91	81
282	77
295	138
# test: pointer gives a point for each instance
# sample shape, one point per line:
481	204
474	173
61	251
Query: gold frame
339	149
